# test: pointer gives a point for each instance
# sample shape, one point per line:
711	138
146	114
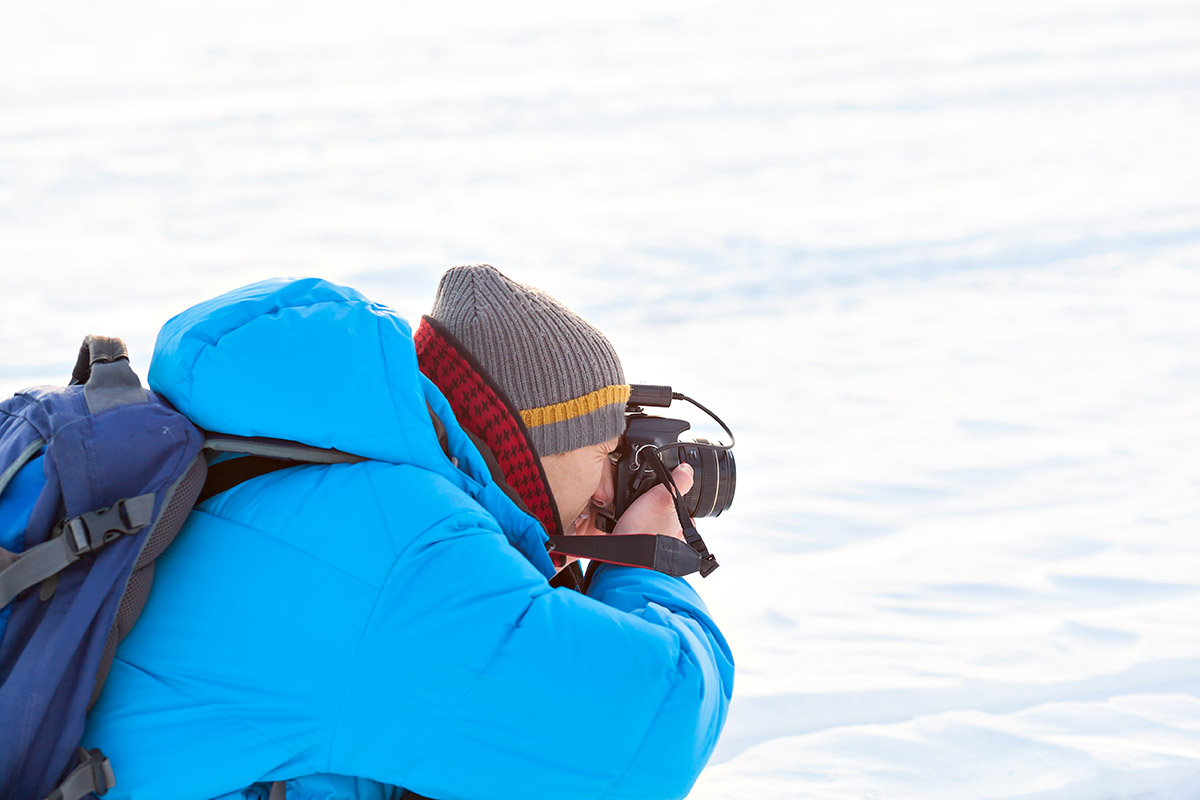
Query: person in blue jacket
396	627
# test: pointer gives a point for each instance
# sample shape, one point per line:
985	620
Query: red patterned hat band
483	409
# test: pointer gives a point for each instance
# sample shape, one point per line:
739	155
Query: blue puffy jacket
388	620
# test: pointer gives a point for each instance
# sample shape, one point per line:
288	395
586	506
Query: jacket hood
317	363
304	360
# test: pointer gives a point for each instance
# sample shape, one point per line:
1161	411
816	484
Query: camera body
649	437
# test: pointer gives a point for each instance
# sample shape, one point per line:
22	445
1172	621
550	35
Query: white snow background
937	264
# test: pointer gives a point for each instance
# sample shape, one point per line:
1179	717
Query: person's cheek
604	494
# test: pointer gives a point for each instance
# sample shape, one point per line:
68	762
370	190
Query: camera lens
715	477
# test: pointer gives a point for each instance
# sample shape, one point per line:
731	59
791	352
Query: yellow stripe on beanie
570	409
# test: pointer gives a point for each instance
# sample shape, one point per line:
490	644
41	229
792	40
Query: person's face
581	482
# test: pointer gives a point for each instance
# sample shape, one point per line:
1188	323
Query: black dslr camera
649	451
649	437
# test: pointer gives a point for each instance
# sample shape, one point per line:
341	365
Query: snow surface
938	265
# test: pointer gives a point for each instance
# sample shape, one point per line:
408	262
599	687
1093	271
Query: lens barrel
714	476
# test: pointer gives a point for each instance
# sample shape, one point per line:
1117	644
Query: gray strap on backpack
24	458
83	534
277	448
93	775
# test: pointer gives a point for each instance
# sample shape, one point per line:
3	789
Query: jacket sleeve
474	679
678	742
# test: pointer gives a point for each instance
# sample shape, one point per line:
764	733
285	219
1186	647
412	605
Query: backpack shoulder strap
277	448
259	456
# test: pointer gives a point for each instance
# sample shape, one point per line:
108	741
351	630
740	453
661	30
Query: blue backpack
96	479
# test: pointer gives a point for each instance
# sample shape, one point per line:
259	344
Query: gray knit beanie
560	372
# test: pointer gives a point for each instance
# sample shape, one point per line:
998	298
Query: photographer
391	627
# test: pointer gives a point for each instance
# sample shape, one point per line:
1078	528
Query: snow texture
937	264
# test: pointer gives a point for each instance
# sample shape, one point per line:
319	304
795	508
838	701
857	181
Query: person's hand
654	511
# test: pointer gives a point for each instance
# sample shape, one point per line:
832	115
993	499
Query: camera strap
665	554
708	561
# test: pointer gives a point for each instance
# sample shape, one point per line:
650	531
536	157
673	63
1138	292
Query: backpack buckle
94	773
90	531
102	771
76	535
